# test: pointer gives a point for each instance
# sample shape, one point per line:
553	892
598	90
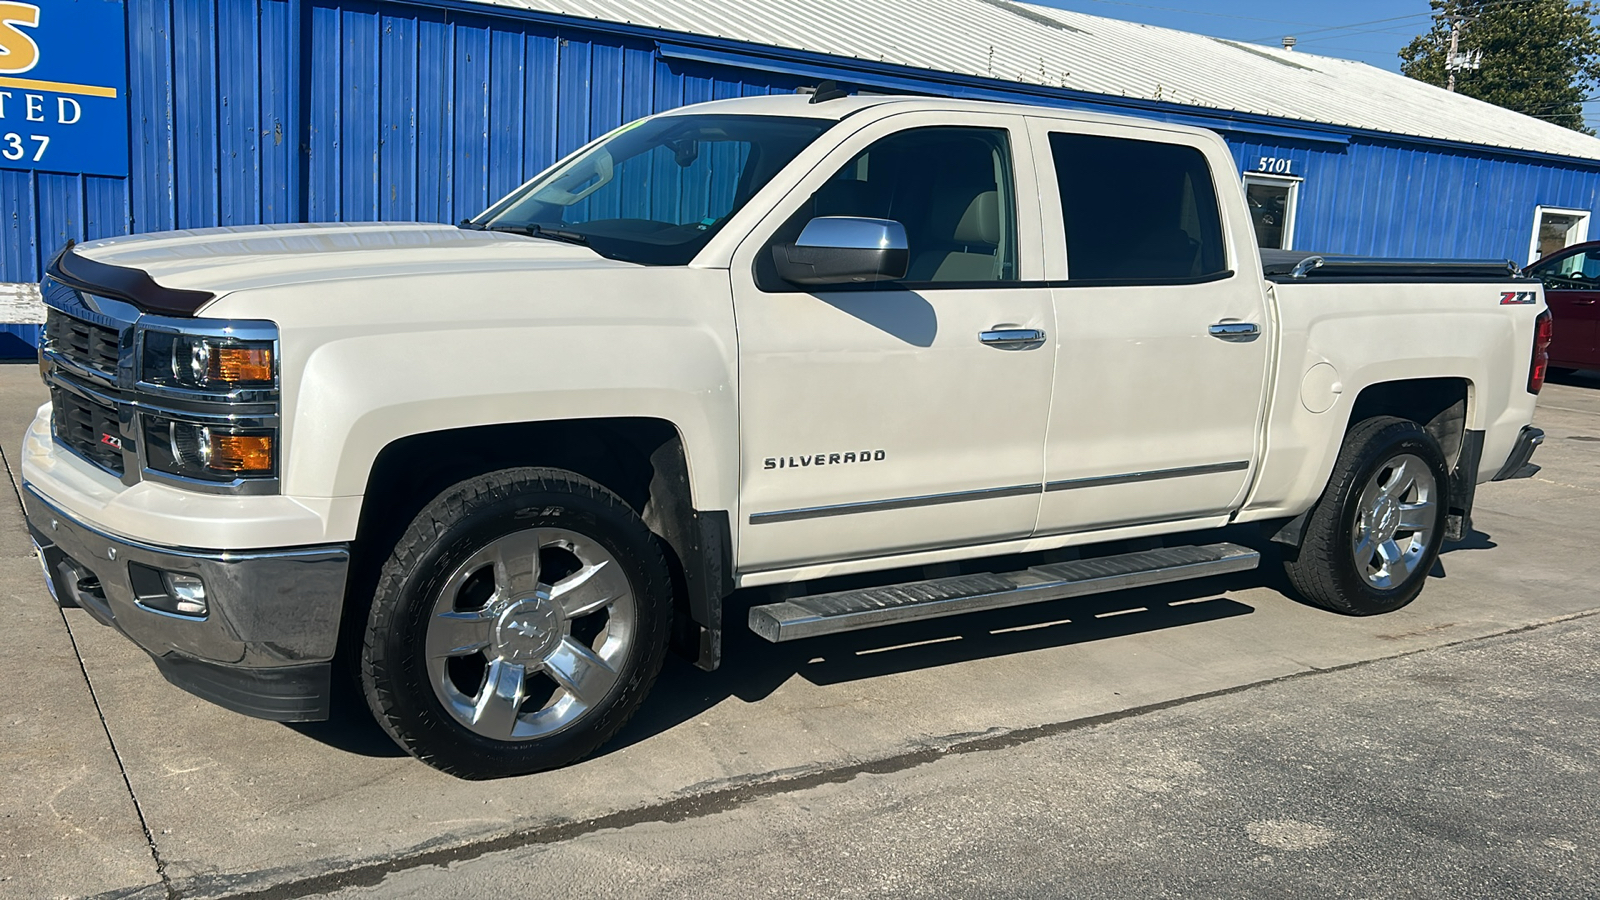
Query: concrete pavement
68	825
196	801
1462	772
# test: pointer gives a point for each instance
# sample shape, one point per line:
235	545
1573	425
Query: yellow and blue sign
63	86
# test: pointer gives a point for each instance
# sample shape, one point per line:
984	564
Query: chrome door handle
1235	331
1012	337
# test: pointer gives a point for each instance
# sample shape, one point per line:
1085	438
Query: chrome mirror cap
844	250
853	233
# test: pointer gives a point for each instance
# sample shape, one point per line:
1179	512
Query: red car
1572	288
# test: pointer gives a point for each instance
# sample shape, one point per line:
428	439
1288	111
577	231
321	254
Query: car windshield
656	191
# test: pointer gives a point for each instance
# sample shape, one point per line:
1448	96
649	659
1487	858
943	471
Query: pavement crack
122	768
744	790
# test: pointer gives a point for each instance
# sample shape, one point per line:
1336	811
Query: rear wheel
1376	532
518	624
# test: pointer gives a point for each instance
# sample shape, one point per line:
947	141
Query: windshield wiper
539	231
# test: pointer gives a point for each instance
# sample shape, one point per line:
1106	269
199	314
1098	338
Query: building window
1556	229
1272	200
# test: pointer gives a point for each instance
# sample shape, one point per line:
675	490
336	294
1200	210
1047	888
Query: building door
893	419
1163	351
1572	290
1272	200
1555	230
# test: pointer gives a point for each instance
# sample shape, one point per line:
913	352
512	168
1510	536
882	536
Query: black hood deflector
122	283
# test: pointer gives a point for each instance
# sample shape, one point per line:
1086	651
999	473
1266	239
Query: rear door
1572	290
1161	363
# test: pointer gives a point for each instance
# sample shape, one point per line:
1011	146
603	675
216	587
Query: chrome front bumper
266	642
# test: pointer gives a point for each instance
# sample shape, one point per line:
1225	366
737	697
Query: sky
1369	31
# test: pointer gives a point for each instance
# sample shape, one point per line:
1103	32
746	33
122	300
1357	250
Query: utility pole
1455	46
1456	61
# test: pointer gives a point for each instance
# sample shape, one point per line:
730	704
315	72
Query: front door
1572	289
1162	357
878	421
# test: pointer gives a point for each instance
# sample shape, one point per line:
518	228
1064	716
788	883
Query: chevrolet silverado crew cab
501	468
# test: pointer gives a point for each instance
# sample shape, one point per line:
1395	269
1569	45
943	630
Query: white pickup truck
501	468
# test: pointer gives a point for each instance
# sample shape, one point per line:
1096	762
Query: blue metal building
240	112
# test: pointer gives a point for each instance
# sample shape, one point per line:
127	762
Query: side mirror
844	250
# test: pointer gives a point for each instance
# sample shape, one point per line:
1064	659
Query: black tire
467	517
1559	371
1324	570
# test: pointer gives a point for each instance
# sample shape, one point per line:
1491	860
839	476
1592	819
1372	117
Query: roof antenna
822	93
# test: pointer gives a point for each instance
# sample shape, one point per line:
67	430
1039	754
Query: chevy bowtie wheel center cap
528	630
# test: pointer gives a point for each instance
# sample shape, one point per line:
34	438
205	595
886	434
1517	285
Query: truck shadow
752	669
1582	378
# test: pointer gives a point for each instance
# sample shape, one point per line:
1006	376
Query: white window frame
1292	204
1538	220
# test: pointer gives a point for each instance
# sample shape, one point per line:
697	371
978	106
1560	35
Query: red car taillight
1544	331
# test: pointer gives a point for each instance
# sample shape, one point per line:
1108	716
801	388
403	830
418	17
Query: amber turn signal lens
244	453
240	365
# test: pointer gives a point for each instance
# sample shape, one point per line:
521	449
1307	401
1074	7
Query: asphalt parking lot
1215	738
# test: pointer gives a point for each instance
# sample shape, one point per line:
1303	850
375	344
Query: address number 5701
13	148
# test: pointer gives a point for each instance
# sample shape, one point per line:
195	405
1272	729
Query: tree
1540	57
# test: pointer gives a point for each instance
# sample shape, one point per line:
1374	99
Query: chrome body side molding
846	509
1156	475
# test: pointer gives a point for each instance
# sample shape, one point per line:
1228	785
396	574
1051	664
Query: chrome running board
805	617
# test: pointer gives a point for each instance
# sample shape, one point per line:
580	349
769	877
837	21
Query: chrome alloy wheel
529	634
1395	519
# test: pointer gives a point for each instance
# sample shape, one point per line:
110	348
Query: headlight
208	452
208	405
207	363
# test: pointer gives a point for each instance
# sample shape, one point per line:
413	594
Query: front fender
368	362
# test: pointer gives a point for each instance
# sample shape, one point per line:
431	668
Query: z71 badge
1518	298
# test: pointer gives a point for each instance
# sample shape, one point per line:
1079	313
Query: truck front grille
88	428
83	343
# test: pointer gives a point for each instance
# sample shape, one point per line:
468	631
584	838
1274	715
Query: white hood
222	260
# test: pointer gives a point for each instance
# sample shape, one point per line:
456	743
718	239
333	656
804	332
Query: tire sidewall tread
1323	570
463	517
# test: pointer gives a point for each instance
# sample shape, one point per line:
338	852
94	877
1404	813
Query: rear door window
1137	212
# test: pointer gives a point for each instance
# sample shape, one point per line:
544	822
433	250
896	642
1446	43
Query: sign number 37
13	148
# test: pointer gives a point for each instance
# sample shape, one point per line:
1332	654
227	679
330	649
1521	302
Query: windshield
656	191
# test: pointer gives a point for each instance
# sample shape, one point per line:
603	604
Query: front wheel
1376	532
517	625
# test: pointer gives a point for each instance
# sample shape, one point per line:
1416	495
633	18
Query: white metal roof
1041	45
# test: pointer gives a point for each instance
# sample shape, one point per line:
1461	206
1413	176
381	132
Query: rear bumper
1517	462
265	644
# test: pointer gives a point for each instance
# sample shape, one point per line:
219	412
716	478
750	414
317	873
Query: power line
1355	25
1196	12
1347	29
